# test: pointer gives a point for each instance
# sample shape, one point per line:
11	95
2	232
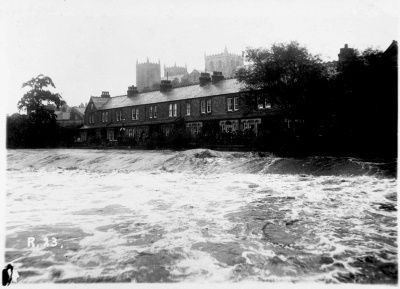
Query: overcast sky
89	46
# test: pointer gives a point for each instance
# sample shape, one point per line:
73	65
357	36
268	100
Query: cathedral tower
225	62
147	75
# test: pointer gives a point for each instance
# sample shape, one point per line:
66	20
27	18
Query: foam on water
198	216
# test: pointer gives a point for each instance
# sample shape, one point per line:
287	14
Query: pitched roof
81	110
226	86
99	101
62	115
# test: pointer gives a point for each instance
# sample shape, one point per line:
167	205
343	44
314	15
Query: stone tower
175	70
345	55
147	75
225	62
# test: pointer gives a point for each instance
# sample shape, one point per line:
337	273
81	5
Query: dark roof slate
226	86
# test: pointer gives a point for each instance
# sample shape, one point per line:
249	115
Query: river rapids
199	216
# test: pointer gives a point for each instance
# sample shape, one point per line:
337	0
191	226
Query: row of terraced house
214	99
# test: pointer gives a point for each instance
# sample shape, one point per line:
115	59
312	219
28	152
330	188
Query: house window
173	109
208	105
222	125
119	115
236	103
263	103
110	134
130	132
194	128
251	124
104	116
203	106
135	113
230	104
151	112
188	108
229	125
91	118
155	112
91	106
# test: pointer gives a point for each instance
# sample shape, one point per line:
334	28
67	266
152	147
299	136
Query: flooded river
198	216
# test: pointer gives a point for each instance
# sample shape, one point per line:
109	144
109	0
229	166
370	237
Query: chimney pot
204	78
132	91
165	85
217	76
105	94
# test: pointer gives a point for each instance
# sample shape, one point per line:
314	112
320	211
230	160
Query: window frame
203	106
175	109
155	111
236	103
170	110
150	112
209	105
133	113
229	104
187	108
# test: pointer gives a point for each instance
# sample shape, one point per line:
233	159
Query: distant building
225	62
194	76
391	52
148	74
74	117
345	55
175	70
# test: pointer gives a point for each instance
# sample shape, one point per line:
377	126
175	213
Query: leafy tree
286	75
175	82
41	128
366	102
37	97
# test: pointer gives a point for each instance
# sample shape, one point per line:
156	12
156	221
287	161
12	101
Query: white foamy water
161	216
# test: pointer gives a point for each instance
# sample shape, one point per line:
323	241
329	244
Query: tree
286	75
366	102
42	129
34	99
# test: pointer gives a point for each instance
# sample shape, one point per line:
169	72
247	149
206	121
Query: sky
89	46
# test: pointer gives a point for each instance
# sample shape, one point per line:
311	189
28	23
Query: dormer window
91	106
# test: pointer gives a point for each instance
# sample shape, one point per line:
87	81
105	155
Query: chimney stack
132	91
204	78
105	94
217	76
165	85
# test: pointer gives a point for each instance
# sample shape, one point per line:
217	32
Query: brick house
214	99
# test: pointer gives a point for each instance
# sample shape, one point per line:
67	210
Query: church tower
225	62
148	74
